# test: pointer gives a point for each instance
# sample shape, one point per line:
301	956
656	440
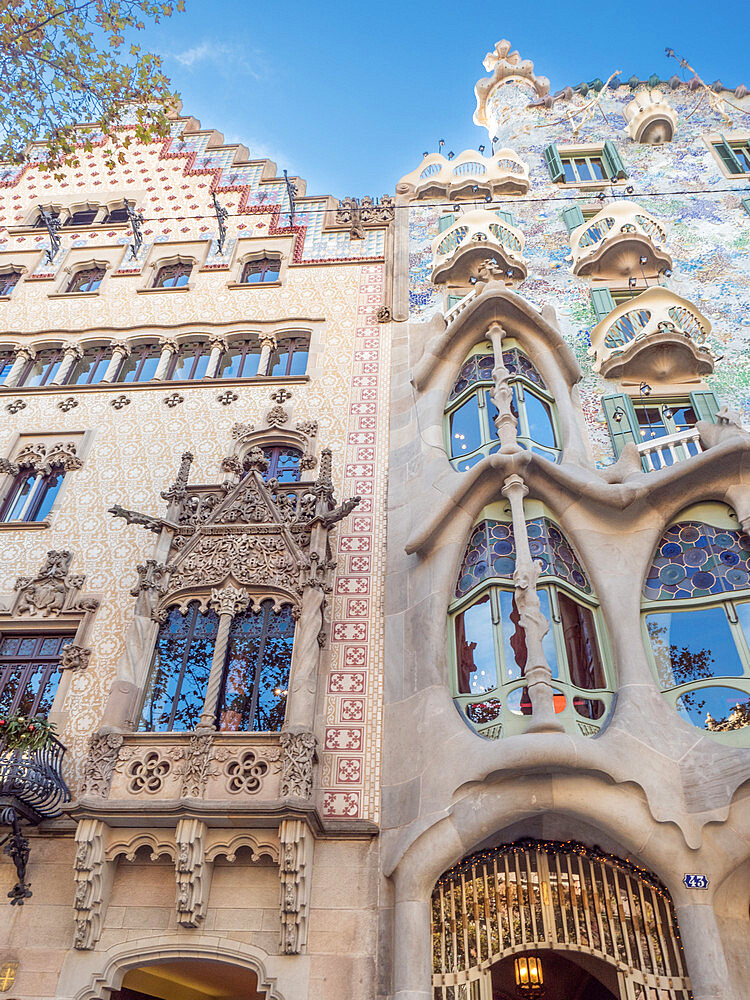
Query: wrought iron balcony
473	239
469	175
657	336
621	241
31	789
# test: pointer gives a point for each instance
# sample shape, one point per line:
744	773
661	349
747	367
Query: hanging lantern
529	977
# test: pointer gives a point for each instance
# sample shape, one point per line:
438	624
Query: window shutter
746	205
454	300
506	217
445	222
612	161
727	156
554	163
573	218
603	303
626	428
705	404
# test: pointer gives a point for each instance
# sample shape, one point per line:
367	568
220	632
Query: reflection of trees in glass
257	672
675	665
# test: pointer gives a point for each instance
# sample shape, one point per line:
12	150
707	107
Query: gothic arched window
173	275
261	271
489	643
696	612
255	673
31	494
470	413
87	279
284	463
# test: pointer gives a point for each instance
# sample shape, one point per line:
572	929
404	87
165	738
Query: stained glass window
490	643
30	671
471	412
697	621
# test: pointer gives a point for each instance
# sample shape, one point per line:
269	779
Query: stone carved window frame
77	619
106	258
161	255
251	256
252	248
20	443
300	434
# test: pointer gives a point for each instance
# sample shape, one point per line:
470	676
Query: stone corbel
192	872
93	883
295	873
74	657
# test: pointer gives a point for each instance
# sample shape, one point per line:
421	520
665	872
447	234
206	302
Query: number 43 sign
695	881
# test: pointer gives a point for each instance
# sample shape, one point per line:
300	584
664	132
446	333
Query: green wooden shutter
746	205
453	300
727	156
573	218
554	163
612	161
445	222
603	303
626	428
506	217
705	404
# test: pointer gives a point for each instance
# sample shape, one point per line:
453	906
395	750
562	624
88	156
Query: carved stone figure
74	657
52	591
196	767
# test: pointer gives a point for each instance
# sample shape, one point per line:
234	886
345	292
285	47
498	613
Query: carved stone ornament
93	882
119	401
228	397
53	591
15	406
8	468
299	755
277	416
308	427
192	872
383	315
196	767
281	396
174	399
295	875
68	404
43	458
104	749
152	575
229	601
232	463
240	431
74	657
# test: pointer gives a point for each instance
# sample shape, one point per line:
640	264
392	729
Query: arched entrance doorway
189	979
561	902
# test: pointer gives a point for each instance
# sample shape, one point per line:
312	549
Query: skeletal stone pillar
227	602
537	674
502	394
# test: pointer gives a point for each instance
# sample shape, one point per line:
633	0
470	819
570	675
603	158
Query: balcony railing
658	453
657	336
474	238
31	789
469	175
623	240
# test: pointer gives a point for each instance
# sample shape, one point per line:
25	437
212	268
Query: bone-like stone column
71	354
707	964
23	356
537	674
502	395
120	351
227	602
267	344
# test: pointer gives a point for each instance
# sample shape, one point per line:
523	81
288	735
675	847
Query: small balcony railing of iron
32	789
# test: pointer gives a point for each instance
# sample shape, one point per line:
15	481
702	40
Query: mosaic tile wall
136	448
679	183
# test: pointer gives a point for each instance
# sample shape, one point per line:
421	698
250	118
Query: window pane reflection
475	650
692	646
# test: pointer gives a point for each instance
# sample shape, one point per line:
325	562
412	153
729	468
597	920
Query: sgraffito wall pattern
136	446
679	183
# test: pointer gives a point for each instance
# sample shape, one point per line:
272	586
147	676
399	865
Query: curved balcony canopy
650	119
621	241
469	175
459	251
657	337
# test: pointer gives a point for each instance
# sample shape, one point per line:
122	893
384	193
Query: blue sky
349	95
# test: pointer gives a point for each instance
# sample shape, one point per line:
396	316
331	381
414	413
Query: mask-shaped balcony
657	337
650	119
459	251
620	241
469	175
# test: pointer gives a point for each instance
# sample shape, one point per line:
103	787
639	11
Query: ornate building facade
383	566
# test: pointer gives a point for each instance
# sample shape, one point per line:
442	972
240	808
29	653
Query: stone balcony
474	238
621	241
469	175
657	336
650	119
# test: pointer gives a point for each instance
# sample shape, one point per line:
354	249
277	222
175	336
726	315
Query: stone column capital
514	486
24	351
229	600
121	346
169	344
73	349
